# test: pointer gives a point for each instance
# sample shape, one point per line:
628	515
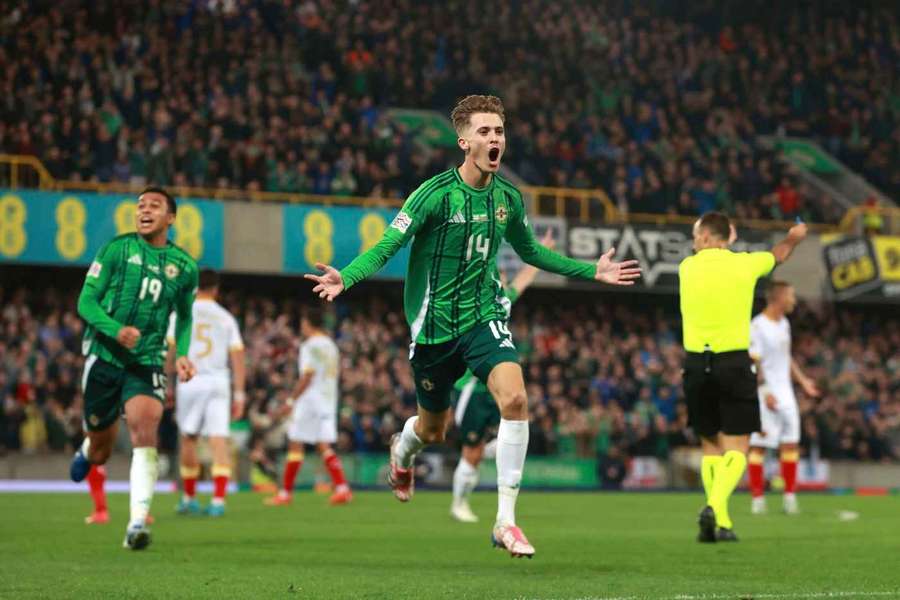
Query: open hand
329	284
616	273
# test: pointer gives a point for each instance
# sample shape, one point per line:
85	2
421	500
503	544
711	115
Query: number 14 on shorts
501	332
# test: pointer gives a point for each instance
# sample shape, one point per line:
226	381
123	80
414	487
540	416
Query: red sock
291	468
757	479
333	464
189	477
789	474
220	481
96	481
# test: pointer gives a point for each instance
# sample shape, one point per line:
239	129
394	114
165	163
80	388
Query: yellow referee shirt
716	287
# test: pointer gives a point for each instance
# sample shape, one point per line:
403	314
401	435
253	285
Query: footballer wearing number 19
135	282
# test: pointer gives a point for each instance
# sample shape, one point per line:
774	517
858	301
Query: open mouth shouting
494	157
145	222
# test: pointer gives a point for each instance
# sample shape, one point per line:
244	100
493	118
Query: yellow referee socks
708	474
727	475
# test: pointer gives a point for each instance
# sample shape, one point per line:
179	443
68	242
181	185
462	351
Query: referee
716	287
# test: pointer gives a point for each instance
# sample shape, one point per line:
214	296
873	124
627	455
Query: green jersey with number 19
451	282
131	283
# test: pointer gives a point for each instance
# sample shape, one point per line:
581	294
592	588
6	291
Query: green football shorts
107	387
476	413
437	367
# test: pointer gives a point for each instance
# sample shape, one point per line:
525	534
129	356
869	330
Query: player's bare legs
190	472
790	455
142	414
507	386
425	428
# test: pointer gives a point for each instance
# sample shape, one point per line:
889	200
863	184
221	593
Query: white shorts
312	423
203	406
780	426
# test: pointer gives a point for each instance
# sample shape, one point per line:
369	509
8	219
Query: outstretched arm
331	282
783	249
521	237
525	277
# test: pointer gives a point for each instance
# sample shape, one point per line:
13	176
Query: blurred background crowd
658	103
604	378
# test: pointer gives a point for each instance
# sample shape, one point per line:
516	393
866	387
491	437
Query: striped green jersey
133	283
456	231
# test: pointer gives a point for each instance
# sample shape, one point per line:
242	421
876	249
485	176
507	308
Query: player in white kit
313	409
206	404
770	347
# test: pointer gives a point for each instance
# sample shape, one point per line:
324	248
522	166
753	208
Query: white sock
86	445
409	444
465	478
512	445
143	481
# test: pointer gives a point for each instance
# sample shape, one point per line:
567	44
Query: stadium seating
657	103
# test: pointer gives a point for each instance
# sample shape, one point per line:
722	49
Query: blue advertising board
335	236
65	228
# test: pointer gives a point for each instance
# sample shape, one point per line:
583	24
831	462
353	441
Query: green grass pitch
599	546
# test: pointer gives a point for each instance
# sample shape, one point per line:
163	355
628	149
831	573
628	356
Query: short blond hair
470	105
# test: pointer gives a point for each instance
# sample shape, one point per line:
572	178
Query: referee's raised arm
716	293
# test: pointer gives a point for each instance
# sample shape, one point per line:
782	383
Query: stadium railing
575	205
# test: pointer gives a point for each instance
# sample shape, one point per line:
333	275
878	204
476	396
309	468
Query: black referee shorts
720	390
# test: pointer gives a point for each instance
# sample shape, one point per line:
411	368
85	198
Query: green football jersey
456	231
509	295
133	283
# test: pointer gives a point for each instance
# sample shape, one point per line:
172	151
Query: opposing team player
206	404
131	288
456	222
313	407
770	347
475	411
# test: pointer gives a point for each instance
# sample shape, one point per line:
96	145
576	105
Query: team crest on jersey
171	271
501	213
427	384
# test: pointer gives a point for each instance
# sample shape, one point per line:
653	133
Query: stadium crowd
604	379
659	103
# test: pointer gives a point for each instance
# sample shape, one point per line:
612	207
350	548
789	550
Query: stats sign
659	249
863	267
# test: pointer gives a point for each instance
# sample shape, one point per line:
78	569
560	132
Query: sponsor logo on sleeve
401	222
95	269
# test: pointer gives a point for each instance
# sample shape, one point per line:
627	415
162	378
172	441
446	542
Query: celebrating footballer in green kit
456	222
475	412
136	281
